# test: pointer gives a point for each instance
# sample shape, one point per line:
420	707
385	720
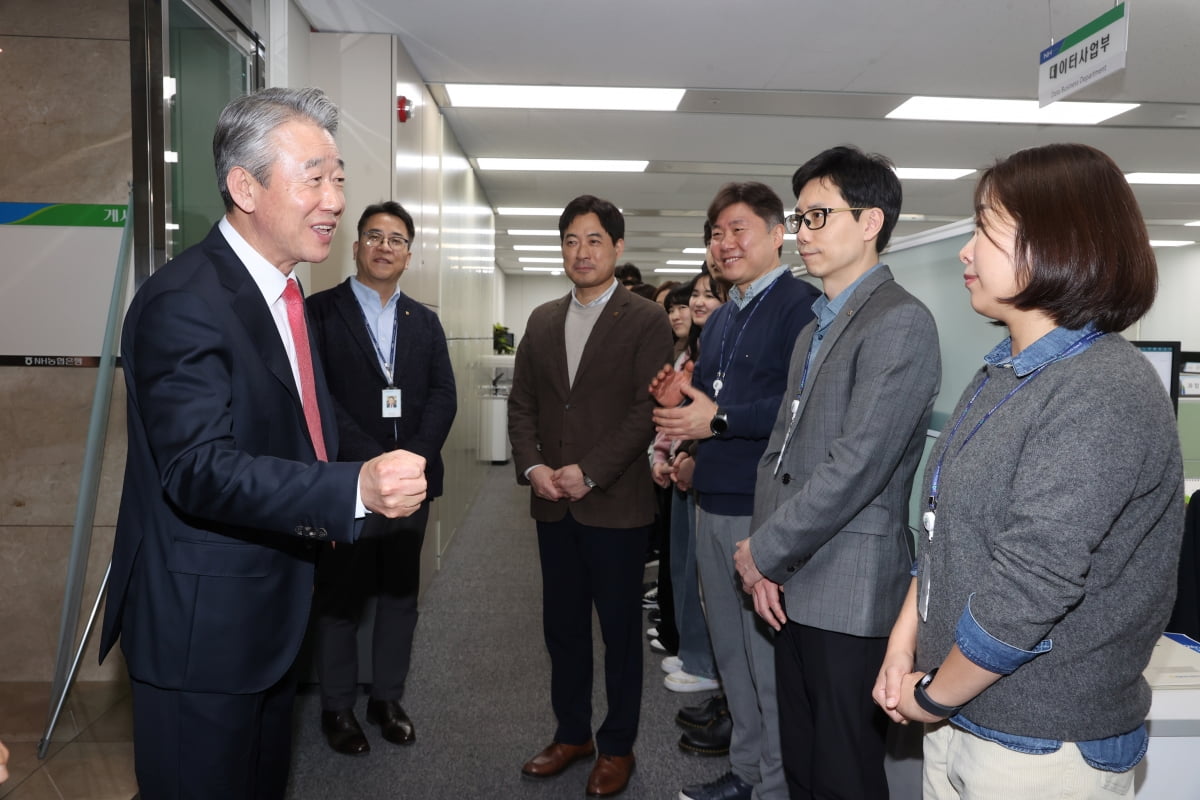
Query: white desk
1171	768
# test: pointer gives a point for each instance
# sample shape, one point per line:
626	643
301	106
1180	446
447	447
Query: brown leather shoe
610	775
555	758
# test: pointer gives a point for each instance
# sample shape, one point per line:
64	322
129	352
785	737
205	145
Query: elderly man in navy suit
231	478
387	363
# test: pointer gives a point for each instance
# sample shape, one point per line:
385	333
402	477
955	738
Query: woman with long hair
694	668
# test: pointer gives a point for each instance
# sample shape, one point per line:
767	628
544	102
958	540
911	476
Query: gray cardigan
1062	517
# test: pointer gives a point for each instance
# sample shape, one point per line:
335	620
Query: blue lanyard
724	364
795	407
935	481
383	362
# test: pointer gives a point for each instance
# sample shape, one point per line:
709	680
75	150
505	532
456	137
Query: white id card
923	587
391	402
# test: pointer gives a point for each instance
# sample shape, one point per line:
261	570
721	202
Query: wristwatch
720	423
928	703
588	482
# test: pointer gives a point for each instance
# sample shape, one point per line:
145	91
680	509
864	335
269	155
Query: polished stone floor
90	755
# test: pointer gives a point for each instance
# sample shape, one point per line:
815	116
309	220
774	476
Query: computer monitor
1165	357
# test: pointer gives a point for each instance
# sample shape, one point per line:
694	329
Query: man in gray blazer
830	529
579	423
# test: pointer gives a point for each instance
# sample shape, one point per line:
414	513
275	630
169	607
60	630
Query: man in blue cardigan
736	390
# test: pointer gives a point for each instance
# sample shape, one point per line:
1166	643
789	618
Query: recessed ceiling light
514	211
980	109
551	270
538	260
693	251
930	174
677	270
561	165
548	248
453	246
683	263
1169	243
1165	178
586	98
1195	224
527	231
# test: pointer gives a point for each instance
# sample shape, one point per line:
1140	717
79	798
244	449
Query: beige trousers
961	766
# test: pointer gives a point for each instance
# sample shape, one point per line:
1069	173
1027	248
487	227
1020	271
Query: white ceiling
772	83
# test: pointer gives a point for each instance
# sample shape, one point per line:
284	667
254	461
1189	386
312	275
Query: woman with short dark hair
1053	503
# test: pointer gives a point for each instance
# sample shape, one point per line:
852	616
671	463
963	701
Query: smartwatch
928	703
720	423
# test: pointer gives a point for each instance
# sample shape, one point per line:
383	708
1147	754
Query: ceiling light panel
980	109
581	98
931	174
513	211
560	165
1165	178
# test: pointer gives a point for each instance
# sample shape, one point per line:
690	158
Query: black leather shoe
710	741
343	733
703	715
393	723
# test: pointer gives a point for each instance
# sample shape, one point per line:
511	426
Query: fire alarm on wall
404	108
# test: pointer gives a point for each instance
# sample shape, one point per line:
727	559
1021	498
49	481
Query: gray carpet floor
479	688
478	692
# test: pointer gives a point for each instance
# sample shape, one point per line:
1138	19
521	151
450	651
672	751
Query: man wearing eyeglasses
827	562
387	364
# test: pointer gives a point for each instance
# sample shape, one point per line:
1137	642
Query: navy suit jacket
224	500
428	400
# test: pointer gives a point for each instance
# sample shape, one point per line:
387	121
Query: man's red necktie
308	386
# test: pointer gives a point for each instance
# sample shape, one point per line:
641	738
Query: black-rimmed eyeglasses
814	218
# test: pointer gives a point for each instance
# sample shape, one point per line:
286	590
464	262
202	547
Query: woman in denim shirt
1053	503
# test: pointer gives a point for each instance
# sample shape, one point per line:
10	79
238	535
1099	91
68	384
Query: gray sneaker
726	787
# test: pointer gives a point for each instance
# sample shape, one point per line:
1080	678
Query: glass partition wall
188	58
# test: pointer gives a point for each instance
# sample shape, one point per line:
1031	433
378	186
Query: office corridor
478	694
479	688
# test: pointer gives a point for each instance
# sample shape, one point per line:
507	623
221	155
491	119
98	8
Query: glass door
209	62
188	58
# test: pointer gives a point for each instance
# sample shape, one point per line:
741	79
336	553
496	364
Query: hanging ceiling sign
1095	51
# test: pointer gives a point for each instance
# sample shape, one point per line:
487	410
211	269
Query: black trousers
831	732
198	745
584	566
386	566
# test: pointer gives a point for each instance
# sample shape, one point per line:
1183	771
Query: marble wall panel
66	133
93	19
33	570
44	415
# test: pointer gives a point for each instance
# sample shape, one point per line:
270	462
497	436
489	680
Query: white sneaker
680	681
672	664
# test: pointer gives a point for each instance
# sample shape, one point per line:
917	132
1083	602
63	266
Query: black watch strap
928	703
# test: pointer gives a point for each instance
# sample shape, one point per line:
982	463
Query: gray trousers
744	649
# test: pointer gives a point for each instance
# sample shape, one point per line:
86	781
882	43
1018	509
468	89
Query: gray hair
242	138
